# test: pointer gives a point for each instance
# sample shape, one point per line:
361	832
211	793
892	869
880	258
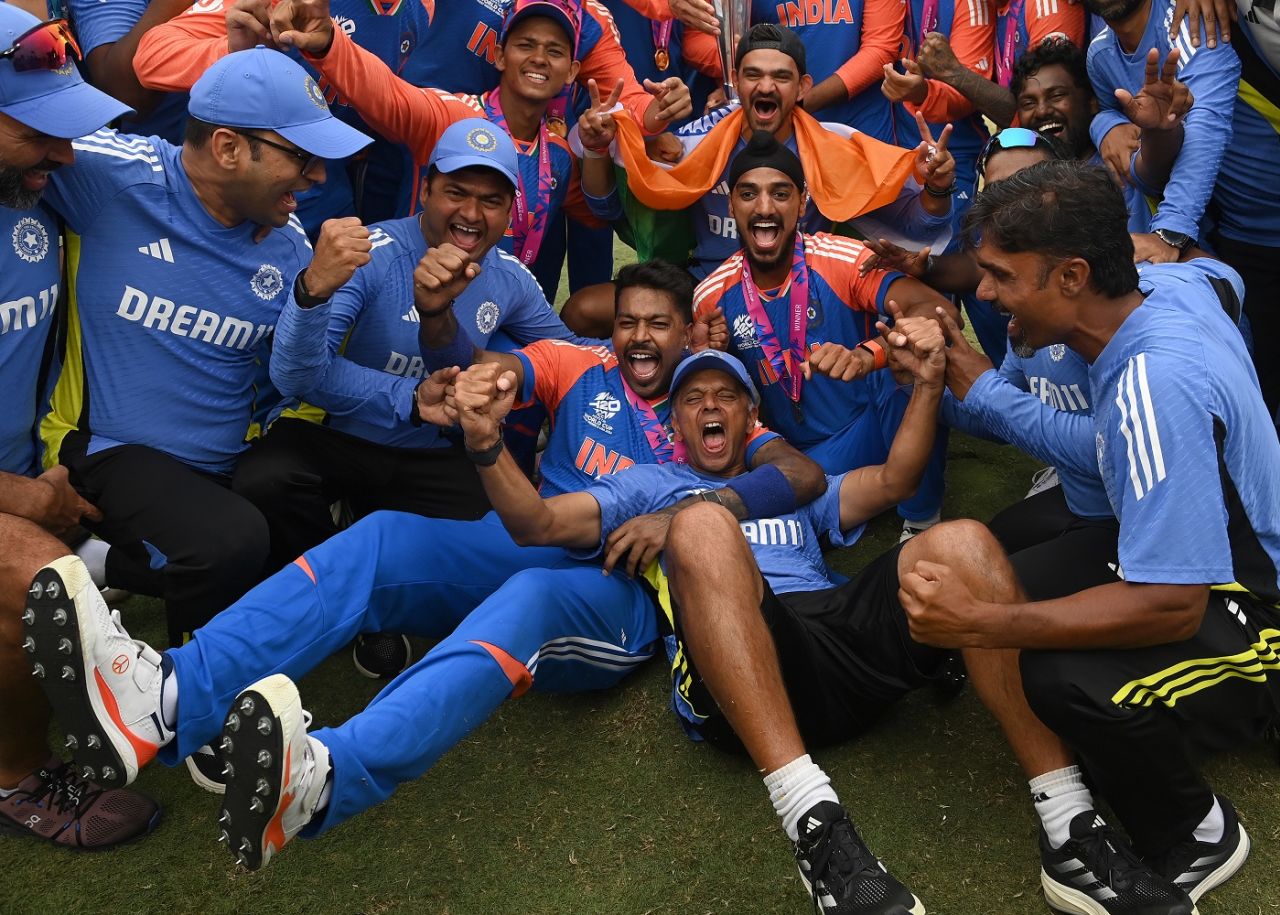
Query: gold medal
661	58
557	126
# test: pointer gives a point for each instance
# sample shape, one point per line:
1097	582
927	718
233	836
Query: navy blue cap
262	89
714	359
55	102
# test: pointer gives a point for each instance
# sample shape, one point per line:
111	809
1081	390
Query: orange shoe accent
144	750
273	836
301	562
516	672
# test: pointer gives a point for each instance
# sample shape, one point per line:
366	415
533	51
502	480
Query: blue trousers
508	618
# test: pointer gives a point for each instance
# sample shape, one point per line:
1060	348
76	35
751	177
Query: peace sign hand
596	128
934	162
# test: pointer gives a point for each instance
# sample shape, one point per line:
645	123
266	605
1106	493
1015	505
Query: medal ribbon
662	42
928	23
527	226
664	447
1012	18
786	364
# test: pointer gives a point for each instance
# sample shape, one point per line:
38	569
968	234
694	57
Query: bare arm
111	64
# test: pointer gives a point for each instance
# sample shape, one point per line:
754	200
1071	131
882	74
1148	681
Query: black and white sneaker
1095	872
381	655
205	766
841	874
1198	867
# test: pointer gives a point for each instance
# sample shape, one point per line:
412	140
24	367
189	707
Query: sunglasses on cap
43	47
1011	138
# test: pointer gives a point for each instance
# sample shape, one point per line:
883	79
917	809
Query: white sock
93	553
1212	827
1059	796
169	698
795	788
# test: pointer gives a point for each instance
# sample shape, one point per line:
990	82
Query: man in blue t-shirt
355	435
193	251
41	109
1126	675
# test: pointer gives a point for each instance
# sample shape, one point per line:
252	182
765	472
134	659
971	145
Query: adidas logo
411	316
160	250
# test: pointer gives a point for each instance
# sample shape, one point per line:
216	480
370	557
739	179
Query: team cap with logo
262	89
565	13
475	141
57	101
714	359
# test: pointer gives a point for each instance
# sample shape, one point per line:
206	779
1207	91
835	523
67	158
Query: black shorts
845	655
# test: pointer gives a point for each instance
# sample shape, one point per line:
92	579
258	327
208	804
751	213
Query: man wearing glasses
43	102
180	264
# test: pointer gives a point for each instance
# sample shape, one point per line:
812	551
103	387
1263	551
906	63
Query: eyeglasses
1011	138
43	47
307	159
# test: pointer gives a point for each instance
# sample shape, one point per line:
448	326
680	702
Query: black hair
659	276
772	37
432	171
1053	50
197	133
1060	209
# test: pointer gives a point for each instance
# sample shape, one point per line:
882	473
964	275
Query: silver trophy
735	19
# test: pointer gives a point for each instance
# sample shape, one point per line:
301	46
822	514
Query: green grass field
598	804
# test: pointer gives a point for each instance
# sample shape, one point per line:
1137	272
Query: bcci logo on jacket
604	407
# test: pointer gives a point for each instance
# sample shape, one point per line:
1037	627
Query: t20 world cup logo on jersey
267	282
604	407
744	332
30	240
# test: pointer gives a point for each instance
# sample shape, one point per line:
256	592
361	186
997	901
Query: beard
13	193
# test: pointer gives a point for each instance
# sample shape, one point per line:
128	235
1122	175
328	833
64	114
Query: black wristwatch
486	458
303	296
1179	240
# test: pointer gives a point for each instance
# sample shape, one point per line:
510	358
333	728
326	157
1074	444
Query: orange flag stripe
847	176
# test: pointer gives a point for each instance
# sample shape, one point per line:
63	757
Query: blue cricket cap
55	102
714	359
559	11
262	89
475	141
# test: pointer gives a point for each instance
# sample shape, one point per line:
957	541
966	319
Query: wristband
460	351
589	153
302	295
945	192
765	492
876	349
488	457
434	314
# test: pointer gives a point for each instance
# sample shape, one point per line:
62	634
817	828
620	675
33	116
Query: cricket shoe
104	686
841	874
275	773
1198	867
205	766
1095	872
58	806
381	655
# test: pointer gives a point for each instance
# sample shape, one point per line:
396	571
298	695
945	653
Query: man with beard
1227	143
43	104
857	175
792	301
1173	653
508	616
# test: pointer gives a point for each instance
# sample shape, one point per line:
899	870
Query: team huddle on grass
277	334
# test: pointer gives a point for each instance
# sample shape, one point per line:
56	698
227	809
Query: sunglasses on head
1010	138
43	47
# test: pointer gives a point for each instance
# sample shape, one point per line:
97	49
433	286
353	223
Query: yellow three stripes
1189	677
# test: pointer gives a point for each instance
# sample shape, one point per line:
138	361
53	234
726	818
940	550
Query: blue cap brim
73	110
448	164
548	11
327	138
721	362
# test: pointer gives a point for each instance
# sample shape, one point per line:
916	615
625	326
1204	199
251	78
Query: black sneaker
205	766
1198	867
1095	872
841	874
381	655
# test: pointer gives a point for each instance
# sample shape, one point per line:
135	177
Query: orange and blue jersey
1023	24
594	429
850	39
843	308
639	34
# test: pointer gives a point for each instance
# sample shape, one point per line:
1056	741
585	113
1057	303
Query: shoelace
65	791
841	859
1113	858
